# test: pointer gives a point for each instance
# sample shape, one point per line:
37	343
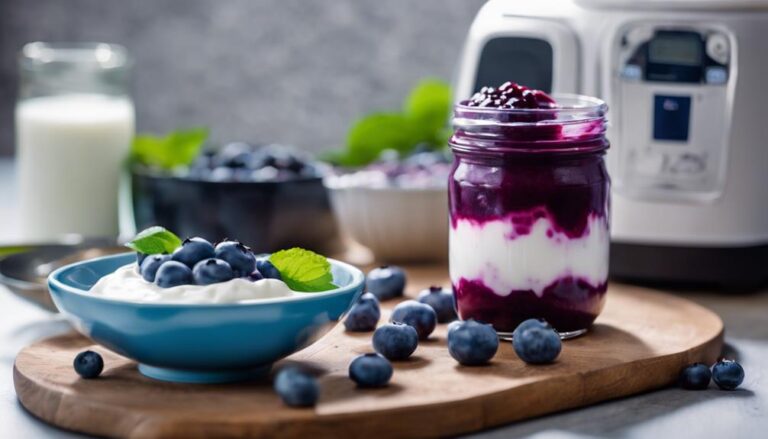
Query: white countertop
660	414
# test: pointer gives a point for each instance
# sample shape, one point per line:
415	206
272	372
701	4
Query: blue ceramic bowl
201	343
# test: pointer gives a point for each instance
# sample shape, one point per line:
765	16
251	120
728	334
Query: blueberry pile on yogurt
197	271
422	169
244	162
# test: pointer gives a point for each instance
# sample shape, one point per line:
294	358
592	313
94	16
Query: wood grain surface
639	343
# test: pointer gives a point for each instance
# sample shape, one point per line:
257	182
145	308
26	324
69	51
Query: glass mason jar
74	126
529	212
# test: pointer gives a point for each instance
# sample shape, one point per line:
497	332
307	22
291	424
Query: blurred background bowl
267	216
396	224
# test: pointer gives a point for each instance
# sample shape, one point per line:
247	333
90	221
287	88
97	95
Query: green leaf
303	270
430	105
177	148
154	240
372	134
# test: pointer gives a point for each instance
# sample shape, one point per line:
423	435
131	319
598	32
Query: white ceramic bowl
396	224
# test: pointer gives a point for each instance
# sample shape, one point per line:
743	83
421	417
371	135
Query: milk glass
74	125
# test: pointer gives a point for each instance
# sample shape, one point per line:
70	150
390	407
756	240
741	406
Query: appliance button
717	48
632	71
687	164
716	75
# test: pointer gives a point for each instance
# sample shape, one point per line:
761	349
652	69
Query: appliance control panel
672	107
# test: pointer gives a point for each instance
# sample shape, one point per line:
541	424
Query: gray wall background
292	71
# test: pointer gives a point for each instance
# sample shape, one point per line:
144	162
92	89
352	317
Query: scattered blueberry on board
88	364
172	274
212	271
364	315
192	251
150	264
441	300
422	317
727	374
535	342
472	343
296	388
395	341
386	282
238	256
370	370
267	269
695	377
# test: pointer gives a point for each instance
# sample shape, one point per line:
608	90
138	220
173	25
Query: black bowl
266	216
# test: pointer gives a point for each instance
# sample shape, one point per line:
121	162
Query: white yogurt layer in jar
127	284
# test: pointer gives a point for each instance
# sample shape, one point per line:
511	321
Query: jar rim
571	108
99	55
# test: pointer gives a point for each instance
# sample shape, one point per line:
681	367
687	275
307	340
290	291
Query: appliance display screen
675	49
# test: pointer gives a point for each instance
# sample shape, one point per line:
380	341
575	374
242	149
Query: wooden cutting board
639	343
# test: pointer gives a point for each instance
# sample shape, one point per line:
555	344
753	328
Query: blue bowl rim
358	279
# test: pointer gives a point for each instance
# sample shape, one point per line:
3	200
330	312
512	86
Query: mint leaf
430	104
154	240
372	134
303	270
177	148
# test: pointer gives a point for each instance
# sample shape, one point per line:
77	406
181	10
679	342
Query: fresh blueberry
695	377
254	276
239	257
530	323
88	364
172	274
267	269
422	317
150	265
220	174
370	370
212	271
233	155
535	342
140	258
441	300
728	374
297	388
192	251
386	282
472	343
364	315
396	341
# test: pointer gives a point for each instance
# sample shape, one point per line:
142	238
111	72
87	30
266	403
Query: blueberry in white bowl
441	300
418	315
472	343
202	328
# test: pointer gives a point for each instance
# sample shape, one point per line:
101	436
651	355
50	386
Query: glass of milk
74	127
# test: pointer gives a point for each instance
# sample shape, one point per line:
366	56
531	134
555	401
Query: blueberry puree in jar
529	200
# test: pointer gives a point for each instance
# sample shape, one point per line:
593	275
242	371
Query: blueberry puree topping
529	199
510	95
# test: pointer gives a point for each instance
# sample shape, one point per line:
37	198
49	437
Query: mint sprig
423	121
303	270
177	148
154	240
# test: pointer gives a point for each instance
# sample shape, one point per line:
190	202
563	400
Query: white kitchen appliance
687	86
